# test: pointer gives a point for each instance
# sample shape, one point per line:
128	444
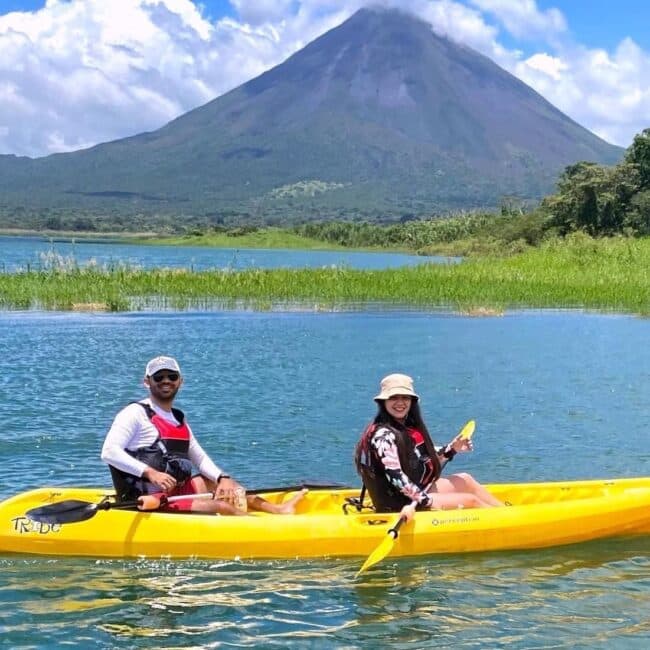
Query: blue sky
77	72
604	23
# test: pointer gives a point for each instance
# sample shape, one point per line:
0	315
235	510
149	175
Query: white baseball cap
161	363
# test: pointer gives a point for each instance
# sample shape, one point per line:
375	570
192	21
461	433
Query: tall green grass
578	272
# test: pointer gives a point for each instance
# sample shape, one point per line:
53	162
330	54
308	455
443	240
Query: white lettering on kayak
459	520
23	525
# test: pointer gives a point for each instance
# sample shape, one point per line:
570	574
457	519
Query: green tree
574	206
639	154
593	198
637	218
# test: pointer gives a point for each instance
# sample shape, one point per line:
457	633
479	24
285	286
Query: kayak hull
539	515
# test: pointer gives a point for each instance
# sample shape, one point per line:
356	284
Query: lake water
281	397
19	253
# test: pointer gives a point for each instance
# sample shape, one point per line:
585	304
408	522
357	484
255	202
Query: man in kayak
399	464
151	449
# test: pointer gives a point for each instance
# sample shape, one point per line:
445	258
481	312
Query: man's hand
161	480
226	491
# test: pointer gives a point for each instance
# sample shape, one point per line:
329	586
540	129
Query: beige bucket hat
396	384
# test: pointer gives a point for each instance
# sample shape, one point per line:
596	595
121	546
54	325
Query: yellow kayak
325	524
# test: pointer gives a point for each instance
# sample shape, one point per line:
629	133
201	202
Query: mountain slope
387	117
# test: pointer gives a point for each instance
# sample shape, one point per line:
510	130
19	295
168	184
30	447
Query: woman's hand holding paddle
459	444
463	441
408	511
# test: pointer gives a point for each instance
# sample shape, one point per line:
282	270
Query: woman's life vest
169	454
416	463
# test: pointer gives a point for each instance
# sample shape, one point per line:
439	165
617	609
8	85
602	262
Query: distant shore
275	238
263	238
71	235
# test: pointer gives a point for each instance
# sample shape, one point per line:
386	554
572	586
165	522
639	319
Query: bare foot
289	507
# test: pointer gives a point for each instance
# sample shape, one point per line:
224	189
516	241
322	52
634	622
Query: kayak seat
357	503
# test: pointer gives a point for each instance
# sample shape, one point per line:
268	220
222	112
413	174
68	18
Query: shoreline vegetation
610	274
585	247
464	234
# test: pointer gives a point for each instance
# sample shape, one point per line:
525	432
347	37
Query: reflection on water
595	592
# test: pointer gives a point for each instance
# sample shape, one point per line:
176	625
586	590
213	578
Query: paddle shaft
106	505
394	531
74	510
154	502
210	495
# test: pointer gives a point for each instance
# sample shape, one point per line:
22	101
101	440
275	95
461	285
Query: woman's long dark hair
413	420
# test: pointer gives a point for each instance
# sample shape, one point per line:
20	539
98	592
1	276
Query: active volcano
379	117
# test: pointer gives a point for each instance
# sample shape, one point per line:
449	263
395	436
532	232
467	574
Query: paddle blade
384	548
64	512
468	430
378	554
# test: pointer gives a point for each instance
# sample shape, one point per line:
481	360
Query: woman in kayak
399	464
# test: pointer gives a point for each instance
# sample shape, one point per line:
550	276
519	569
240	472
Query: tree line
596	199
603	200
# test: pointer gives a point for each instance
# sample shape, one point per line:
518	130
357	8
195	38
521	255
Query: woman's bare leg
467	483
453	500
463	484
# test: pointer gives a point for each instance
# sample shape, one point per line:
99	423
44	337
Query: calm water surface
19	253
281	397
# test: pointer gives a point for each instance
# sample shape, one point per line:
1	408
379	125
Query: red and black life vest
169	454
415	461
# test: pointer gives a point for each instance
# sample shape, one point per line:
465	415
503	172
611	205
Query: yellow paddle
468	430
386	545
384	548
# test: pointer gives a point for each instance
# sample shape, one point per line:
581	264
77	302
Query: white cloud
523	19
85	74
549	65
79	72
608	93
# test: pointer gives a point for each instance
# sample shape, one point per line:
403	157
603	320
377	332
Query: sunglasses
161	376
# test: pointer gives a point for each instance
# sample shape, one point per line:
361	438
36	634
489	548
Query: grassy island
576	272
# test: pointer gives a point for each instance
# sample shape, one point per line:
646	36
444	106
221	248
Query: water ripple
596	592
